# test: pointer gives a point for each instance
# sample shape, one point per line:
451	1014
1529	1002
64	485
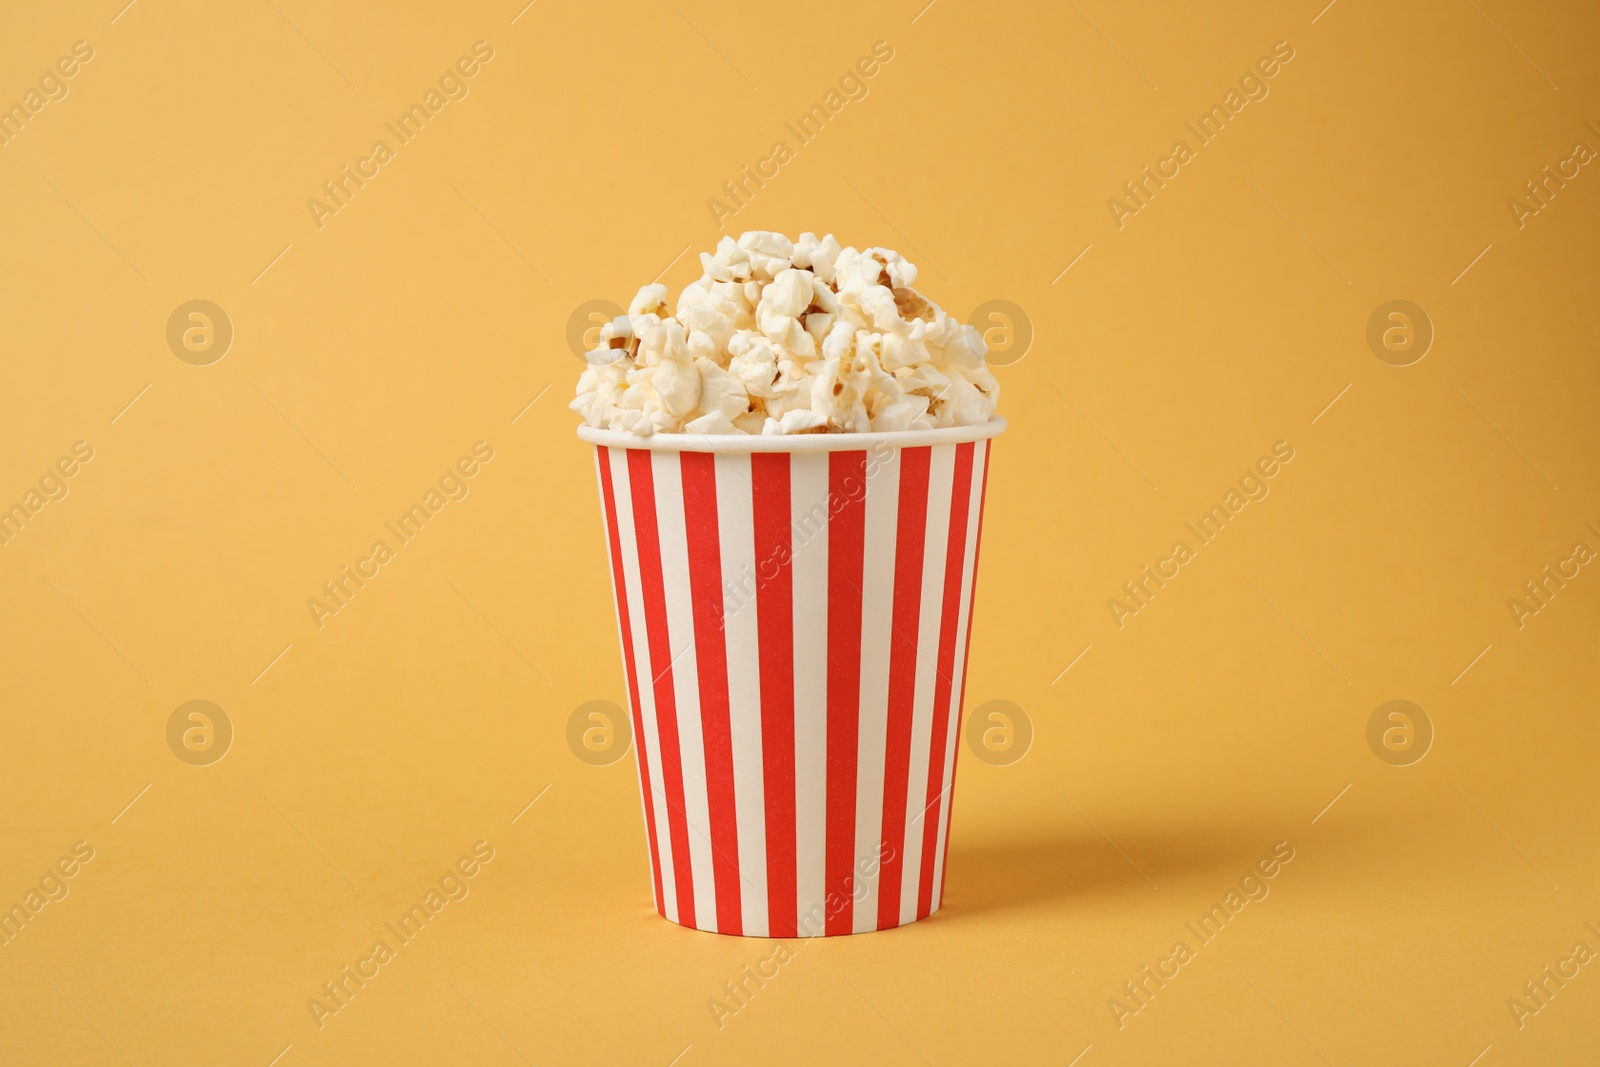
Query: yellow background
370	353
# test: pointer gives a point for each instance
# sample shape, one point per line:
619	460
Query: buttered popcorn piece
782	337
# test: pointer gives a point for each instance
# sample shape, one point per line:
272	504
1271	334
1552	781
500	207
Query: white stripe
603	455
877	614
941	477
957	673
668	476
736	535
808	490
623	492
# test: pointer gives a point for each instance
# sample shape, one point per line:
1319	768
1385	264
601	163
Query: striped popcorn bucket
794	615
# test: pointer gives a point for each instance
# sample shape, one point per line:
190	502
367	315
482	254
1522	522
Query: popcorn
651	300
782	337
768	252
790	292
819	256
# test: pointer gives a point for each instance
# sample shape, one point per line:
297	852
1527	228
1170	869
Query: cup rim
803	442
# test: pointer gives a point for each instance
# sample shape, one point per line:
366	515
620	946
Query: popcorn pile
782	337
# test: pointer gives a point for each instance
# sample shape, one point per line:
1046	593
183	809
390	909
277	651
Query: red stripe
619	585
966	659
642	483
711	660
955	552
910	533
769	477
847	511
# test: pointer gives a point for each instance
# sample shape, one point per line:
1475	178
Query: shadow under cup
794	615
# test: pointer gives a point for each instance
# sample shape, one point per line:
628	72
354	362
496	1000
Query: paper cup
794	615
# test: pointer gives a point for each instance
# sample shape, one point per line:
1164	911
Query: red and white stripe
794	628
